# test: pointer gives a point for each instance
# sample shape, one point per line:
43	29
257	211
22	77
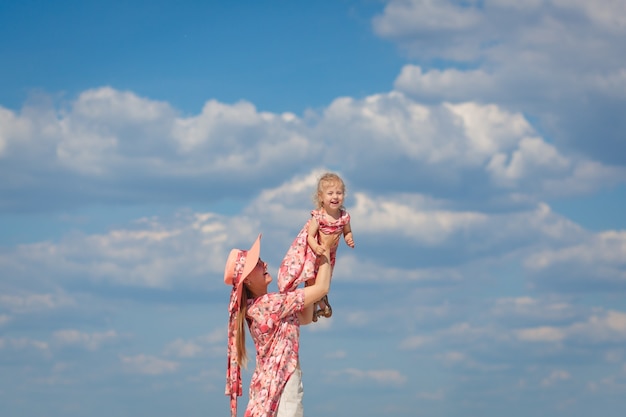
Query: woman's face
259	279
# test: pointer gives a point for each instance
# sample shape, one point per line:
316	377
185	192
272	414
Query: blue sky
482	143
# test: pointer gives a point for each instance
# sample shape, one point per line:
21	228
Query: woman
274	321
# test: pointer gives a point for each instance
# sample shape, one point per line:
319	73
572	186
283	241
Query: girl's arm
311	239
347	234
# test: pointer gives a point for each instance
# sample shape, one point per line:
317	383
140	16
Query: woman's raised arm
315	292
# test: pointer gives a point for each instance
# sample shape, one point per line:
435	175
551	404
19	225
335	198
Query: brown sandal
327	311
318	311
315	312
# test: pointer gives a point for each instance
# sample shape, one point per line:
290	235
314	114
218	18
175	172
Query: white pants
291	400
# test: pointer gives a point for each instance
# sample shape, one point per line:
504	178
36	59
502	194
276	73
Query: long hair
242	356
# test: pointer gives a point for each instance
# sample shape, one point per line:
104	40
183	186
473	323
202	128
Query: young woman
274	321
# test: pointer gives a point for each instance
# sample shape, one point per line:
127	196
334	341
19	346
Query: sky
482	143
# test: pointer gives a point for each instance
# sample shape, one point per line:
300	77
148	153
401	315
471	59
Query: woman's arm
306	315
320	288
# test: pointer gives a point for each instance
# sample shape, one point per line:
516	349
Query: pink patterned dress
299	264
275	328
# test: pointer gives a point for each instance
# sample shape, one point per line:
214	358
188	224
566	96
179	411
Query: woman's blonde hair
240	341
327	178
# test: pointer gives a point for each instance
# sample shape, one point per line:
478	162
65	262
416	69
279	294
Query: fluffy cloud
149	254
26	303
211	344
89	341
400	237
595	263
557	61
602	327
386	377
111	145
148	365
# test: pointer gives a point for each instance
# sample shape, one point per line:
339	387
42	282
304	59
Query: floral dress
275	328
299	264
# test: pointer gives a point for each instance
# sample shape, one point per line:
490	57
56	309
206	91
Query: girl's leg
322	307
297	266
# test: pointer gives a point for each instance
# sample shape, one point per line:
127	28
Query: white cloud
148	365
24	343
532	156
597	259
90	341
180	251
607	326
555	377
606	247
378	376
395	216
104	127
183	349
541	334
603	327
610	14
209	344
410	20
221	126
25	303
389	124
453	357
451	83
12	127
558	61
90	151
534	309
149	253
415	342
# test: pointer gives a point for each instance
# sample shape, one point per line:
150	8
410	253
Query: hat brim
252	257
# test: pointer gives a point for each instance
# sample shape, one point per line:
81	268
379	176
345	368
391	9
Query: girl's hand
319	250
350	242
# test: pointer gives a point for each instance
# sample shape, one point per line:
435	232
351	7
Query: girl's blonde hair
327	178
240	341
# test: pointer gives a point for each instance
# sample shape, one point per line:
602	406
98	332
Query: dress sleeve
345	217
317	215
289	303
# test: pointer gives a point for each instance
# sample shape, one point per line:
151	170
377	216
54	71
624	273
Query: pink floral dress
299	264
275	328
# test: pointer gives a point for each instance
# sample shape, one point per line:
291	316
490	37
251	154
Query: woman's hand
329	241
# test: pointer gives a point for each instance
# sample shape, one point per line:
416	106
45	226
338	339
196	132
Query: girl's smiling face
332	196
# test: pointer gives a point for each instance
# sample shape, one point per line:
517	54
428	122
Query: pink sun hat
240	263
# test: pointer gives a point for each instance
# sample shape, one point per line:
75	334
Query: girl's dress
275	328
299	264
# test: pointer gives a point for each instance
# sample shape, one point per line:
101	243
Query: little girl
329	217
